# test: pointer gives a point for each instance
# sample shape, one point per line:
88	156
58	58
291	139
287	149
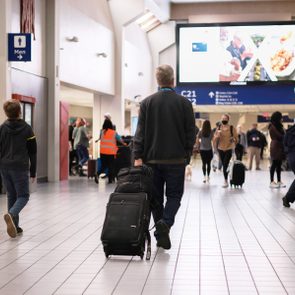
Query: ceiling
76	96
216	1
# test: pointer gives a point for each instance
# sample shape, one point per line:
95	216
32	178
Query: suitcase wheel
107	254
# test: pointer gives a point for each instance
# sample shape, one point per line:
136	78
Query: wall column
52	68
97	122
5	76
116	105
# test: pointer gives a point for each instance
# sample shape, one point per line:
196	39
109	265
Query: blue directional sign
238	94
19	47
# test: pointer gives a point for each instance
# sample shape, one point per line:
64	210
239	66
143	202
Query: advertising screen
236	52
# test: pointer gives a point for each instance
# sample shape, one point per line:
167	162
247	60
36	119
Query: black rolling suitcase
91	168
237	173
126	226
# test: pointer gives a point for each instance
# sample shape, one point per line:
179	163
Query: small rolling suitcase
91	168
126	226
237	173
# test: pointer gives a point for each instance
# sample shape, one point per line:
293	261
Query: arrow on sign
20	57
211	94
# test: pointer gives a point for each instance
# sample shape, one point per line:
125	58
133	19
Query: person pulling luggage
164	140
225	140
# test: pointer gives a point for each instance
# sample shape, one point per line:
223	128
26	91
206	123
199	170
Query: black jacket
18	148
289	140
166	129
254	138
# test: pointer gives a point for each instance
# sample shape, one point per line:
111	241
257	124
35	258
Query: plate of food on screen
282	59
283	62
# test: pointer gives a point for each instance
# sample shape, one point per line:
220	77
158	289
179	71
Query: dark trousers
168	177
107	162
239	151
225	157
17	187
206	157
291	192
275	166
72	159
83	154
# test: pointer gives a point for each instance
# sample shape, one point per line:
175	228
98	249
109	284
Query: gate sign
212	94
19	47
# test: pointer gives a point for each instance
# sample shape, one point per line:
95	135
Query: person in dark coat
289	143
277	154
164	140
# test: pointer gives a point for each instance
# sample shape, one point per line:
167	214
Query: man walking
18	160
164	140
254	139
81	144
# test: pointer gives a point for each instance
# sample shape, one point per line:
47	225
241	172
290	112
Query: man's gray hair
165	75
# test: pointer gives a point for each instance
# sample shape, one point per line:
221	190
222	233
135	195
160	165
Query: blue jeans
171	175
17	186
83	154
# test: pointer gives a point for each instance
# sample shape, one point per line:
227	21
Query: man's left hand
138	163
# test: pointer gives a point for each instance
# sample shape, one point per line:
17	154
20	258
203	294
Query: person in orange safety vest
108	149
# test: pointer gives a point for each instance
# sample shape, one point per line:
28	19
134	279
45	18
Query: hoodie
18	147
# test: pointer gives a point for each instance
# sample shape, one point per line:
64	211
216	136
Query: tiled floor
225	241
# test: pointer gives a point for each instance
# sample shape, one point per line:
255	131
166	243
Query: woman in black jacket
277	154
289	142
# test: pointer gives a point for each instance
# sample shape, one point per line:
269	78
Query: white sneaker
274	185
280	184
225	185
204	180
208	179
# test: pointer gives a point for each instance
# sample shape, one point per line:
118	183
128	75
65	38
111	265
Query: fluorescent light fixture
144	18
147	21
150	24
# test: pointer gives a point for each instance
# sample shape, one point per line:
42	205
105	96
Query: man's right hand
138	162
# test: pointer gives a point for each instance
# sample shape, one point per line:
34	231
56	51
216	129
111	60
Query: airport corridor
225	241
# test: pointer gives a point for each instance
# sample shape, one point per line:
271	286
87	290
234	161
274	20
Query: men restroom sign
19	47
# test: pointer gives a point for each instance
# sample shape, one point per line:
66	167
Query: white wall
79	64
161	38
38	65
80	111
136	63
168	57
5	74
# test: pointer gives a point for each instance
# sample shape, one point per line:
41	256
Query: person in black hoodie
164	140
289	143
254	139
18	159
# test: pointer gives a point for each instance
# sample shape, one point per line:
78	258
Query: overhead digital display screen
260	52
